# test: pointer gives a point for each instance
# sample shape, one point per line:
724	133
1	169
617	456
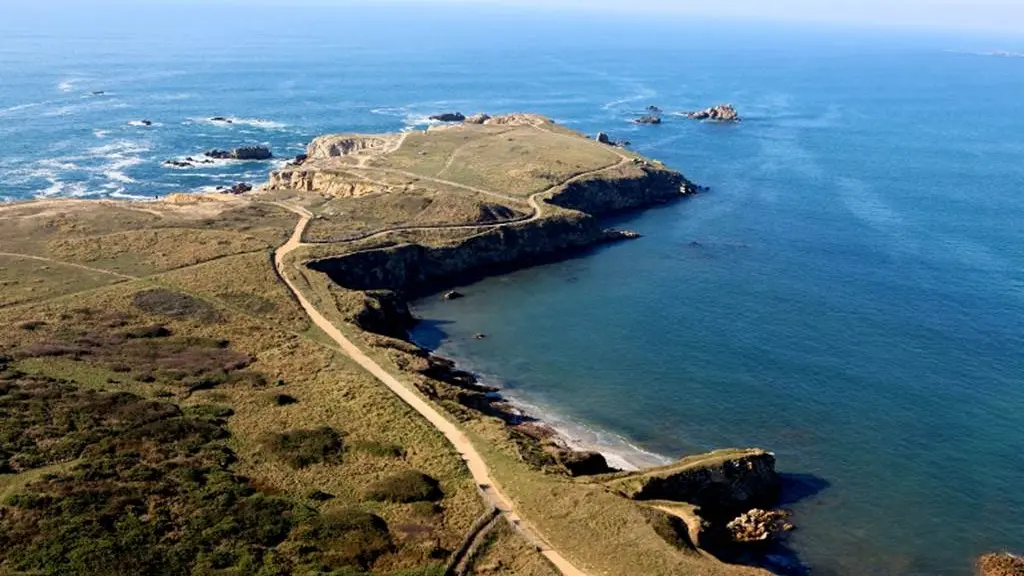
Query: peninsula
221	383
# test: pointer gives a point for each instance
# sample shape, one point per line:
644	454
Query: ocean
849	294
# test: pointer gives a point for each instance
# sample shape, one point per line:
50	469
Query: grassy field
166	405
201	369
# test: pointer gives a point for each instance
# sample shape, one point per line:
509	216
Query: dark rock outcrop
383	312
603	138
577	463
453	295
218	154
598	196
221	119
252	153
477	118
240	188
449	117
723	484
1003	564
720	113
648	119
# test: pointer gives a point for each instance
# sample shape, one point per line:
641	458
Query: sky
977	15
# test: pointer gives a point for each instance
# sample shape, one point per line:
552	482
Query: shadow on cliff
430	333
778	557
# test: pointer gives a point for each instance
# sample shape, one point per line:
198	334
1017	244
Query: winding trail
69	264
478	468
490	490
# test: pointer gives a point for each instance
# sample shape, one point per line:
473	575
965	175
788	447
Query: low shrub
164	302
406	486
346	538
302	448
285	400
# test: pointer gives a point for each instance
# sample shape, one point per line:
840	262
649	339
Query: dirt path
474	461
62	263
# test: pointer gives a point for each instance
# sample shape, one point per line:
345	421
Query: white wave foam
20	107
141	124
59	188
101	133
67	85
120	148
642	93
231	121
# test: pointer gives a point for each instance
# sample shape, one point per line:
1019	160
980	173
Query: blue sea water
850	294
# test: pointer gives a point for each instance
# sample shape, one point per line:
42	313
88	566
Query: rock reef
720	113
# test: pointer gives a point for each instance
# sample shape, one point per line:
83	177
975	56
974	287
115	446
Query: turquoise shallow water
849	295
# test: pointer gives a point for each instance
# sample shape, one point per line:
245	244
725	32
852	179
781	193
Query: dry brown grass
506	553
25	280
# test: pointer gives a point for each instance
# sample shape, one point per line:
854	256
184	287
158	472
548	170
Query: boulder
720	113
220	119
578	463
758	525
300	160
648	119
178	163
218	154
252	153
1003	564
477	119
147	122
449	117
240	188
603	138
453	295
480	336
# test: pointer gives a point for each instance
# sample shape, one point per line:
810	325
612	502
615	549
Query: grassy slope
258	317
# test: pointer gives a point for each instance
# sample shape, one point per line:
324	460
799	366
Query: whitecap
141	124
20	107
642	93
232	121
120	148
67	85
101	133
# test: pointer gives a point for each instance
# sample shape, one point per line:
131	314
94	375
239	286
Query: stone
1003	564
453	295
147	122
252	153
603	138
98	93
477	118
218	154
479	336
178	163
449	117
648	119
758	525
240	188
581	463
720	113
220	119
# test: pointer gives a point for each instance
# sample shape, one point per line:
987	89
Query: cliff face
649	186
721	484
326	183
417	269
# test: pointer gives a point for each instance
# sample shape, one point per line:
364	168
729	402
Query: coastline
618	451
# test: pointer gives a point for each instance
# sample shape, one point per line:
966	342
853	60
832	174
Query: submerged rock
221	119
452	295
1003	564
720	113
648	119
758	525
449	117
